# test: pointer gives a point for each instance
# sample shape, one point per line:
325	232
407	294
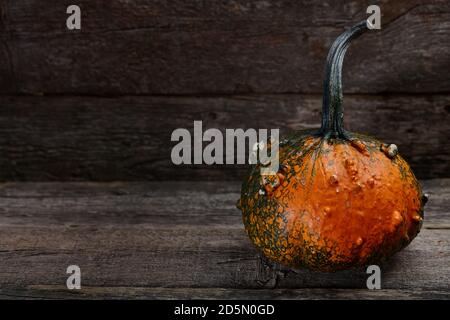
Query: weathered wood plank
128	138
181	253
116	15
192	256
60	292
191	47
437	210
124	203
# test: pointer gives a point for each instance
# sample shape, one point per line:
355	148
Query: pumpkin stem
332	110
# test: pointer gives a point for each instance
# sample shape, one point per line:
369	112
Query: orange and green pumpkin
339	200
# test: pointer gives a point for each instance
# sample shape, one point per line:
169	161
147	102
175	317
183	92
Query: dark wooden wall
101	103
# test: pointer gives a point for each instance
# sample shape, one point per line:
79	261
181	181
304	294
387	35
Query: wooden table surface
163	240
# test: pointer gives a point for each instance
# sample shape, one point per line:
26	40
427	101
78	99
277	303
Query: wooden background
86	119
185	240
100	104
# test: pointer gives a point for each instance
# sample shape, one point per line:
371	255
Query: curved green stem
332	109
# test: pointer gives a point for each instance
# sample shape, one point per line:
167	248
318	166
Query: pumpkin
339	200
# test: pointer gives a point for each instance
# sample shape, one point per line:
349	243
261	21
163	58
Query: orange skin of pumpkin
333	205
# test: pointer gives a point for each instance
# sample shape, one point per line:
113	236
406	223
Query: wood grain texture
128	138
61	292
149	203
192	47
182	240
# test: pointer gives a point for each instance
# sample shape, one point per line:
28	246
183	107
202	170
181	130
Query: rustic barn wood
100	104
61	292
128	138
186	47
183	240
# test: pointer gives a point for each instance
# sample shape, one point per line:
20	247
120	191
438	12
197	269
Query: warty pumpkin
340	200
